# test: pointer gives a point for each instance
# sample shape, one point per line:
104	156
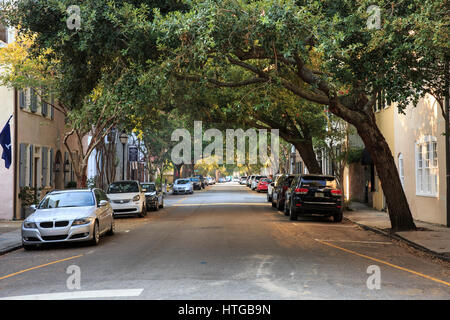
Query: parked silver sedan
68	216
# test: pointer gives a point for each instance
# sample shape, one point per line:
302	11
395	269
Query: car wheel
337	217
286	209
292	214
157	206
113	228
143	212
95	235
162	203
278	204
273	204
29	247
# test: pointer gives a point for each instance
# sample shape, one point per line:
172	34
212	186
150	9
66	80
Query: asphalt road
226	242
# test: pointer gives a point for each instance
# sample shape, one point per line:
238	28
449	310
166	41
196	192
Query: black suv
279	190
313	193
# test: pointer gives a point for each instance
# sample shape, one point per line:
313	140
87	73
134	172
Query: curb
404	240
10	249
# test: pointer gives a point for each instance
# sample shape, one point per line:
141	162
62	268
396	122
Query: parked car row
188	185
86	214
256	182
299	195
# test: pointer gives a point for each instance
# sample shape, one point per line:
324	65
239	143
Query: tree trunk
306	151
399	212
82	179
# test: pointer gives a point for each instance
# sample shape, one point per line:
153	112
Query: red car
263	184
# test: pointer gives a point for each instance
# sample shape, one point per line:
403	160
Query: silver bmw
69	216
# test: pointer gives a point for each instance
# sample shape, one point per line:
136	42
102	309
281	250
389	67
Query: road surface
226	242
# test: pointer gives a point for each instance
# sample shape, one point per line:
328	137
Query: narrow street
227	242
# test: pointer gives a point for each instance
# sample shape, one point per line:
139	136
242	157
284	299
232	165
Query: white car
271	187
127	197
69	216
183	186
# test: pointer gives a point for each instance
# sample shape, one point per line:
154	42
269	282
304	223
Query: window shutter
33	104
50	183
31	165
22	164
52	110
22	99
44	166
44	106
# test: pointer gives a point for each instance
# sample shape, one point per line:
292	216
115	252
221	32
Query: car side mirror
272	184
33	207
103	203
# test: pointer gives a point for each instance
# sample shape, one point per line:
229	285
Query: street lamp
123	139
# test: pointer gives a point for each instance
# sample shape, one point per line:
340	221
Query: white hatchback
127	197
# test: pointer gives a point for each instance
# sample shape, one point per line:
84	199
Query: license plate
319	195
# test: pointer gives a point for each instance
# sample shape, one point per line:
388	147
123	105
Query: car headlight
136	198
29	225
79	222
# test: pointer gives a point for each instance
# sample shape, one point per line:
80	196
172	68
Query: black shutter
50	183
22	164
33	103
44	166
44	105
22	99
31	165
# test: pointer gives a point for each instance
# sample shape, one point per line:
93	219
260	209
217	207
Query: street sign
132	153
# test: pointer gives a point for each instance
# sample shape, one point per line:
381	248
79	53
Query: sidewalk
10	237
431	238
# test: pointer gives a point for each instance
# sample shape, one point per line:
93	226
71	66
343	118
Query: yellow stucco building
418	146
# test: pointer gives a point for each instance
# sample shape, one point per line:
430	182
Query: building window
401	170
427	167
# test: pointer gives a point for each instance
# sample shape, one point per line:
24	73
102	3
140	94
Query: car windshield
148	187
181	181
123	187
67	199
320	182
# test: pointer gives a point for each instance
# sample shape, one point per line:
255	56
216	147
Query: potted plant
29	199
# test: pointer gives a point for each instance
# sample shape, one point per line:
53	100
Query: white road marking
80	295
355	241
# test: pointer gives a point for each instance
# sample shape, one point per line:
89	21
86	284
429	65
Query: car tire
95	235
30	247
157	207
293	215
273	204
162	203
143	212
337	217
285	209
279	208
112	230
